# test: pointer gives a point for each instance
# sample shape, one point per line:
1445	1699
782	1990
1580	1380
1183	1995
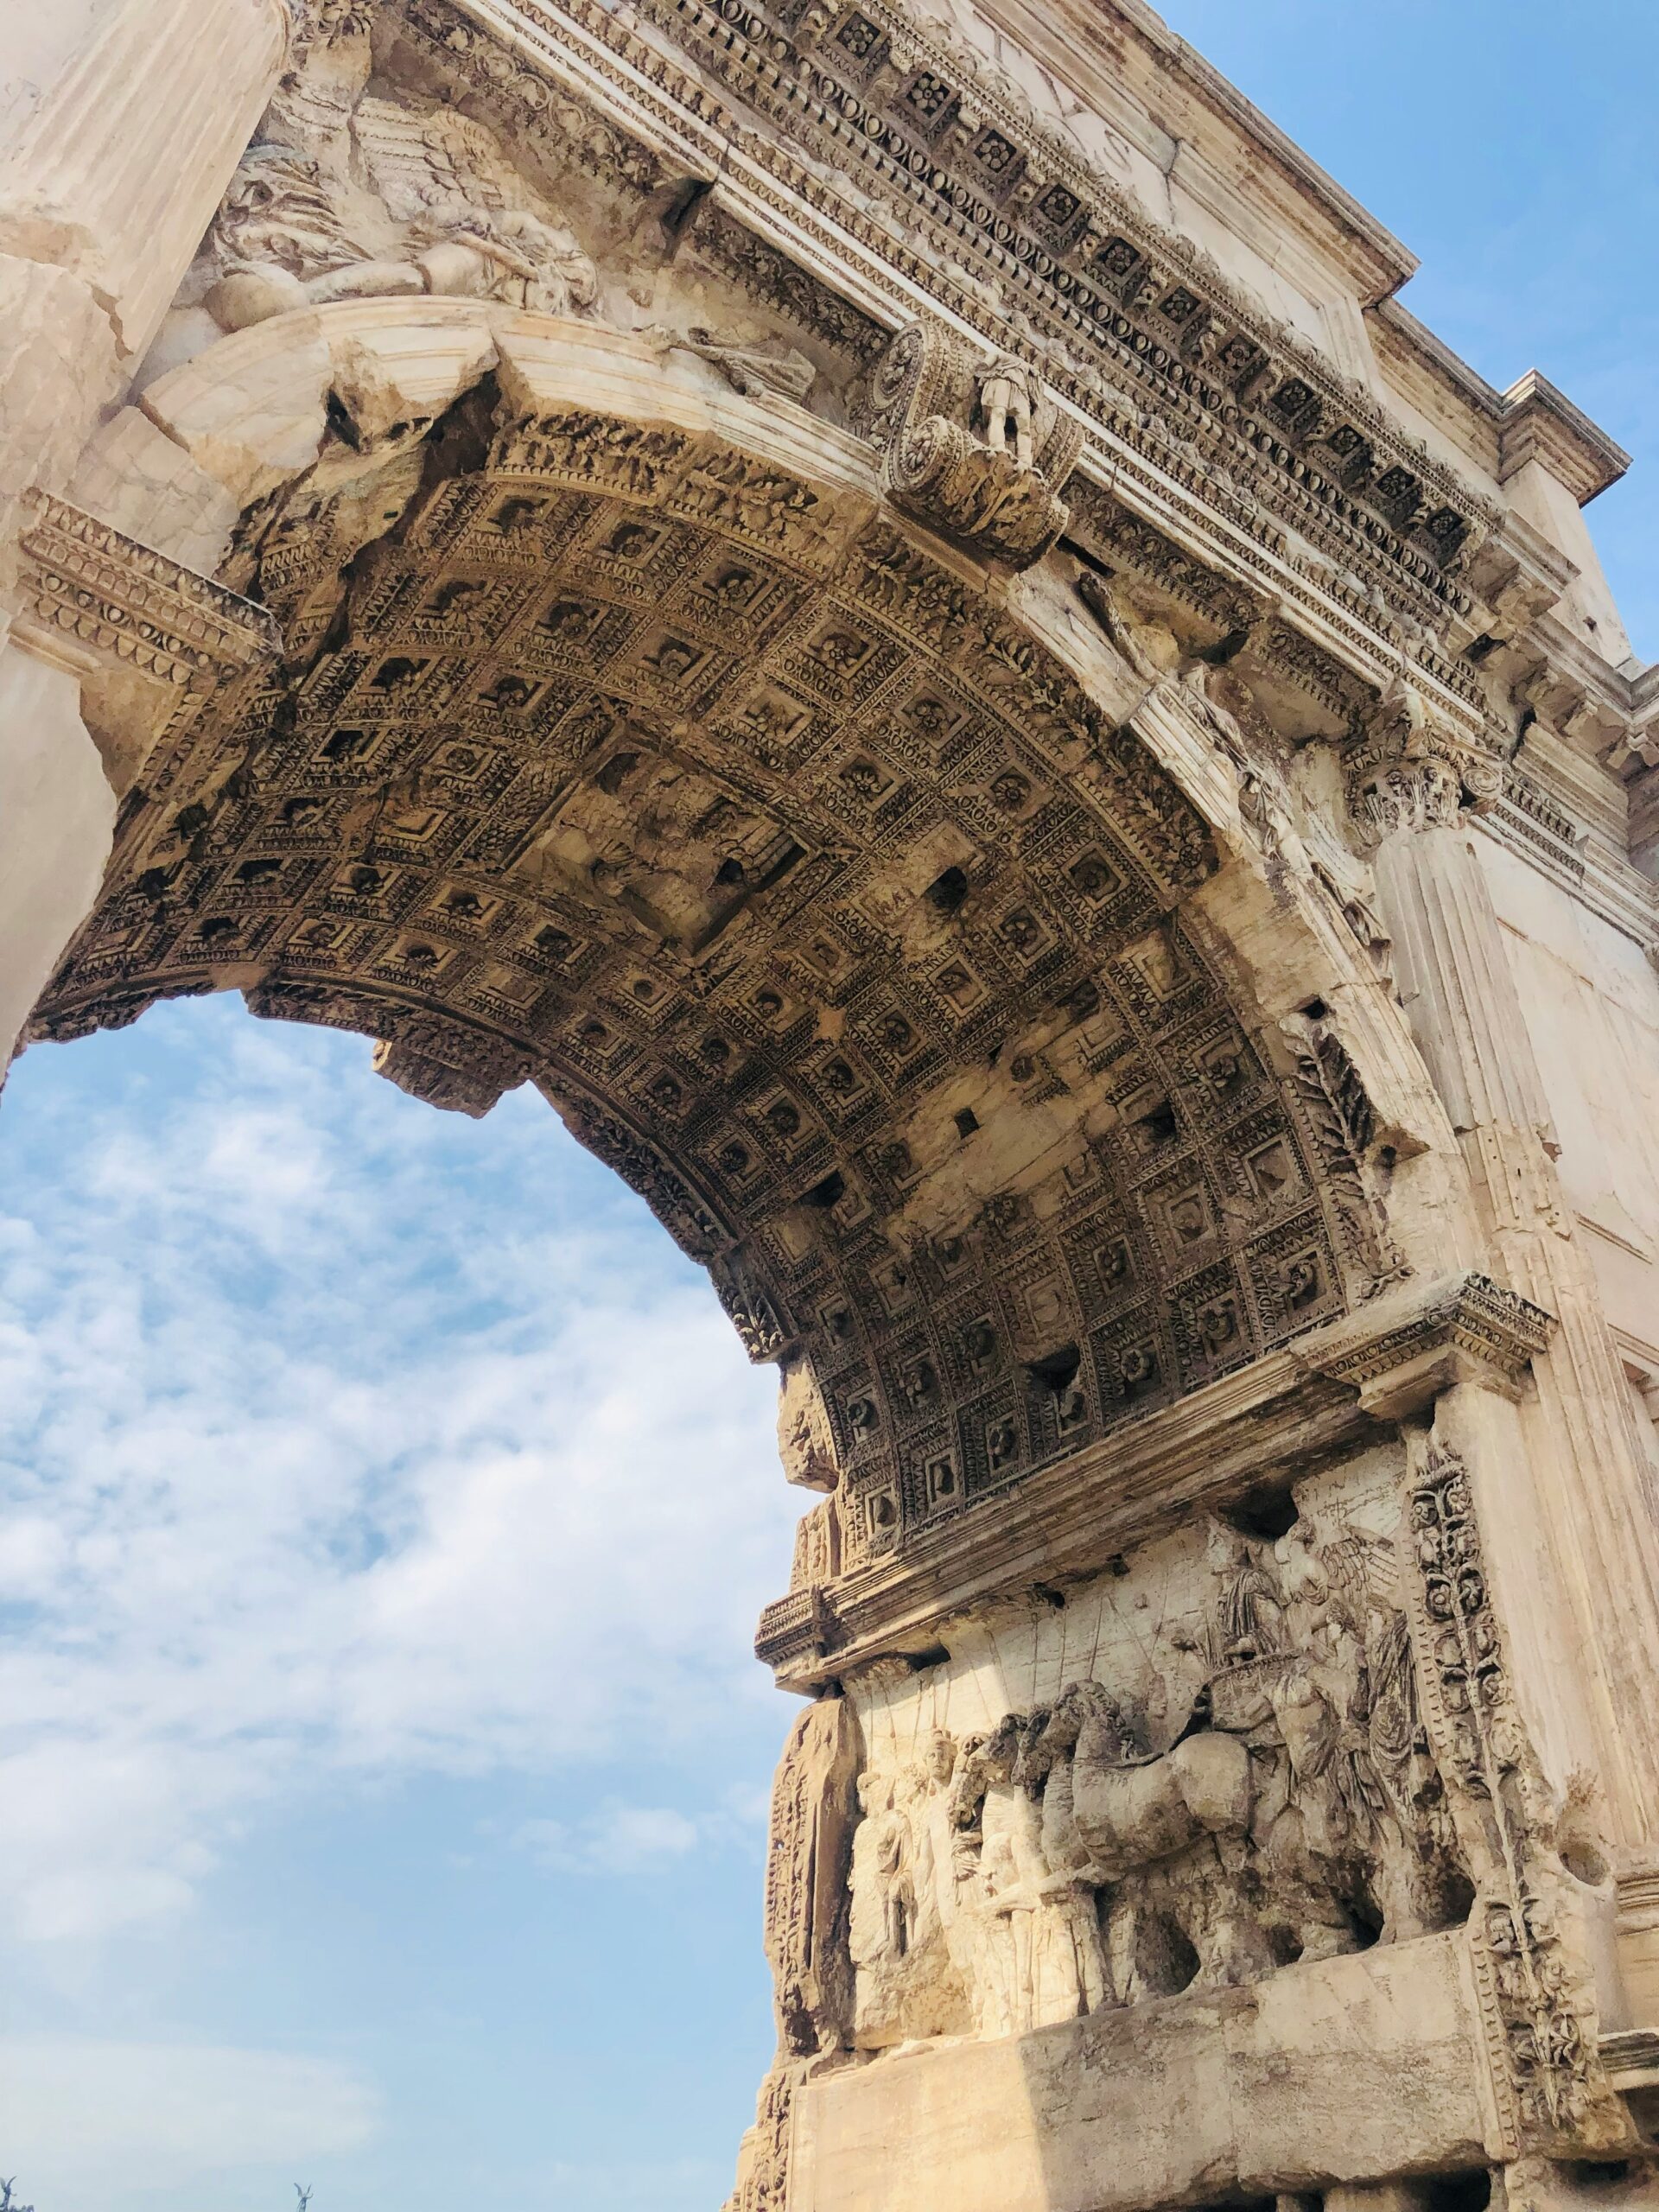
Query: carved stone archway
625	740
982	822
920	937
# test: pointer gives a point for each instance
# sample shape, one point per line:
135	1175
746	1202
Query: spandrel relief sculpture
1221	1769
351	196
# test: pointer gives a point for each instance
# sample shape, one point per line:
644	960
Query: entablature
1060	268
1324	509
1311	1400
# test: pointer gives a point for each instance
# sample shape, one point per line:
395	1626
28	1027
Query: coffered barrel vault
818	892
888	609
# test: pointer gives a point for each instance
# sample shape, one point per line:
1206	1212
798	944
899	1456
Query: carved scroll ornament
1413	771
1536	1993
974	448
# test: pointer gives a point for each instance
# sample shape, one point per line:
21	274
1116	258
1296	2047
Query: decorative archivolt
625	741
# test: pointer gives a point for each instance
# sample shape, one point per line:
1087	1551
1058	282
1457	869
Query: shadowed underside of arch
623	742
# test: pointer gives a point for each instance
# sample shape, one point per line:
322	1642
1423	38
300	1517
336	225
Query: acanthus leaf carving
1344	1123
1413	770
976	449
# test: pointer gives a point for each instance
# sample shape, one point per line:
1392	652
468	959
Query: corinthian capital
1413	769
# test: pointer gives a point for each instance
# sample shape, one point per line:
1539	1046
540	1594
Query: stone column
124	121
1580	1495
120	125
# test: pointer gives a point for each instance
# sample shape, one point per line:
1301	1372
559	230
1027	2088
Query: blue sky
1511	144
387	1510
385	1505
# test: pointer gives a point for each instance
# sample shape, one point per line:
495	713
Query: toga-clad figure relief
1241	1783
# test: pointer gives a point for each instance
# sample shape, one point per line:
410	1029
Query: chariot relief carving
1250	1785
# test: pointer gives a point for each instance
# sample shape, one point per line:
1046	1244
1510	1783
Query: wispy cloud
619	1839
319	1458
101	2116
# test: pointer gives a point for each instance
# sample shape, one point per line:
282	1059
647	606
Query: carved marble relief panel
1191	1773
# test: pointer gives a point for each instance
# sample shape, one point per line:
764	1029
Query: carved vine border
1544	2070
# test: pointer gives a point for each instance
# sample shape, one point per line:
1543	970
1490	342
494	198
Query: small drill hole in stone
1057	1369
1267	1513
967	1122
1470	2191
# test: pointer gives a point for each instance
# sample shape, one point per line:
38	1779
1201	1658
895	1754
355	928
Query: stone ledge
1344	2070
1071	1518
93	594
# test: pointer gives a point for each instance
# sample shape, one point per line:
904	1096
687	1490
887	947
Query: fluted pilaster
1586	1491
113	169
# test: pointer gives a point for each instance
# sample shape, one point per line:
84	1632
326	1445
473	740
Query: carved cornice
99	598
1387	1361
1531	820
1182	416
1469	1329
1630	2058
931	120
1540	423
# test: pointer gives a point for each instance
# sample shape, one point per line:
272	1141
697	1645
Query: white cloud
619	1840
615	1838
330	1450
99	2116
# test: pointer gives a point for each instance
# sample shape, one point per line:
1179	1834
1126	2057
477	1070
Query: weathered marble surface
881	602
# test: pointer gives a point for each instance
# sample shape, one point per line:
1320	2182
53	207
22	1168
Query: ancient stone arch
731	567
624	740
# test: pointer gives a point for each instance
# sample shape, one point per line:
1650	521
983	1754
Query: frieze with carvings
1227	1771
1149	303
